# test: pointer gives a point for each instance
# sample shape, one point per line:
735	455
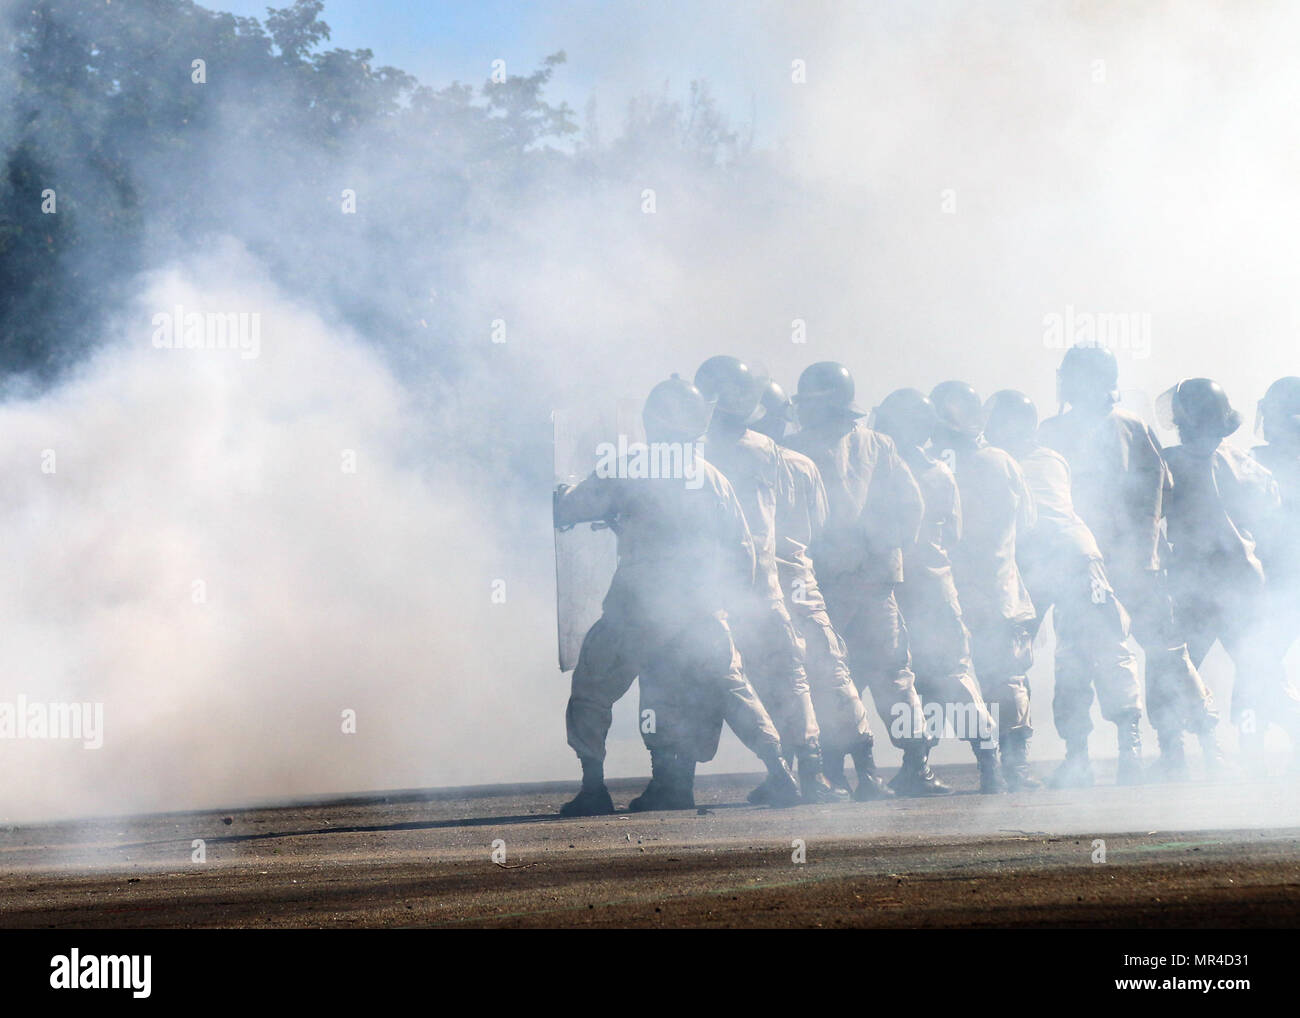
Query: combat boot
1015	761
991	782
813	786
870	786
1129	770
1076	769
779	788
915	779
672	780
833	768
593	798
1172	765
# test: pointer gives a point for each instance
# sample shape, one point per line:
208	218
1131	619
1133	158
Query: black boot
915	779
1129	735
870	786
1015	761
1076	770
813	786
779	788
991	782
1172	765
833	767
671	784
593	798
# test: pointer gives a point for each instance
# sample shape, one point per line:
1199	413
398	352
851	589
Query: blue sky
615	49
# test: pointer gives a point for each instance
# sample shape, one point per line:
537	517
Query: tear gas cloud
230	552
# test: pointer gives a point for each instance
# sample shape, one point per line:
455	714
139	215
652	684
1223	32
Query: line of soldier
796	572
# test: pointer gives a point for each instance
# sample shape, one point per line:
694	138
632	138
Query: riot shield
586	554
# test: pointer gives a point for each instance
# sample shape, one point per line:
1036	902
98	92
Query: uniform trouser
1003	650
691	686
866	614
1262	693
773	661
608	662
1177	697
941	658
691	680
1092	651
841	716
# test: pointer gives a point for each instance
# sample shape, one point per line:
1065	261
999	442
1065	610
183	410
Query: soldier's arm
1027	508
819	506
1263	498
909	503
1151	478
738	544
593	498
955	530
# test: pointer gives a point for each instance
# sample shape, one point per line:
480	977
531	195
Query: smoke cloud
232	552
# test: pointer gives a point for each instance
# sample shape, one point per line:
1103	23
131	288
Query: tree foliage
146	162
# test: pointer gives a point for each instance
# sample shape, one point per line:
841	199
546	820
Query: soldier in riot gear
1063	570
875	509
764	631
685	555
1221	498
941	643
800	517
1120	482
996	507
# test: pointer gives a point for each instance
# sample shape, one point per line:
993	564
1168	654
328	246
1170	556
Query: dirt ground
1190	856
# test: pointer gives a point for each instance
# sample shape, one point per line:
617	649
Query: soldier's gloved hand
560	491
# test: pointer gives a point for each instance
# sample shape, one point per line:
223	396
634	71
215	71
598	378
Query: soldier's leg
679	717
773	657
773	654
1262	692
683	684
842	718
1092	631
1200	616
743	710
1003	651
945	671
604	672
1073	695
1115	674
881	661
1177	698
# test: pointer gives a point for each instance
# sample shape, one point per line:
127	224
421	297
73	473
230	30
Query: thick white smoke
938	184
228	552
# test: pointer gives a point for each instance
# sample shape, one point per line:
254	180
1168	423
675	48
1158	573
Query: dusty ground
1194	855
